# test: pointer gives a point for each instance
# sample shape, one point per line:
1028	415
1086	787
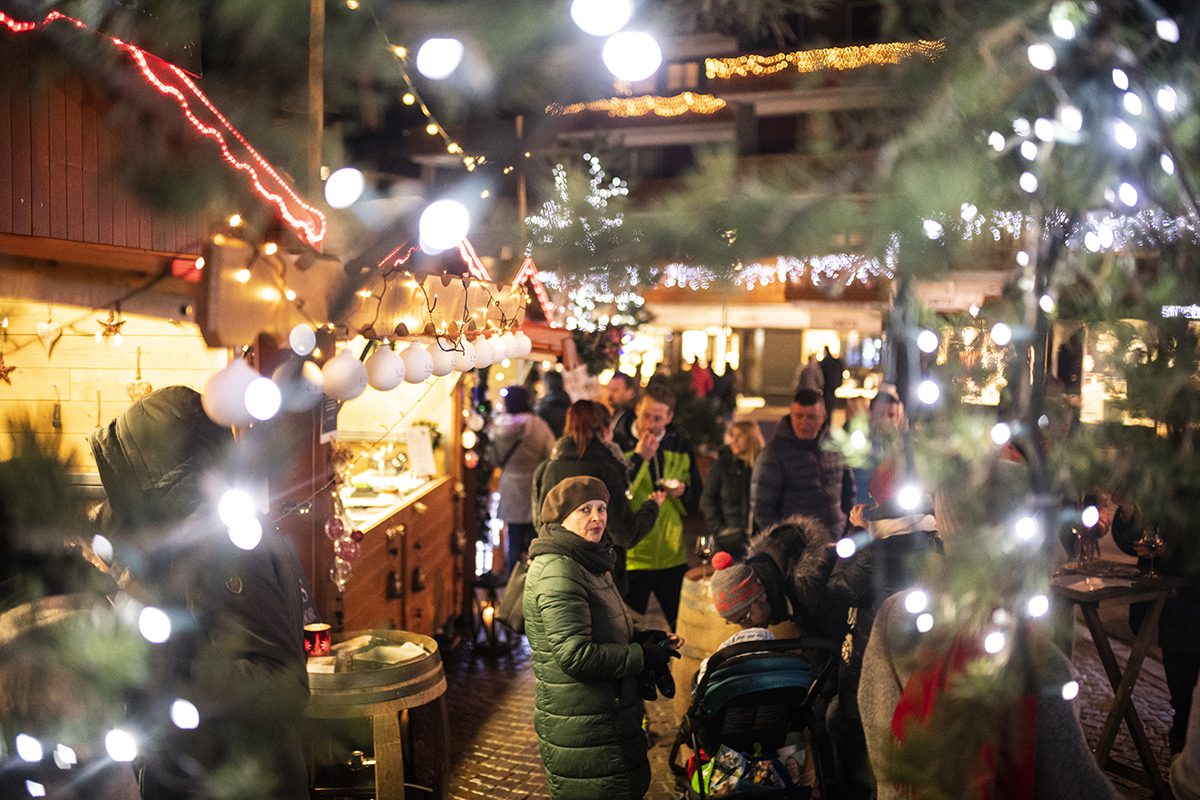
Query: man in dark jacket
553	405
236	646
795	473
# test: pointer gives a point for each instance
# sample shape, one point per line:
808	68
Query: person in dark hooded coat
236	648
586	655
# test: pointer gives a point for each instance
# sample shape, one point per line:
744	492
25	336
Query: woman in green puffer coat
586	655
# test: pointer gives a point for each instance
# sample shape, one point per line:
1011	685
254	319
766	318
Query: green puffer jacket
587	710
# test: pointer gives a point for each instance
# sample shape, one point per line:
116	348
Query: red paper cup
317	639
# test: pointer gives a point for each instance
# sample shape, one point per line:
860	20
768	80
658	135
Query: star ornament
110	328
5	371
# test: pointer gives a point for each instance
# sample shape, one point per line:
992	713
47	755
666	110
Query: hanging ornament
301	383
485	353
442	360
464	357
385	369
110	328
137	388
49	332
475	421
345	376
224	397
335	528
522	344
418	364
5	371
499	348
471	459
339	573
357	535
302	339
346	548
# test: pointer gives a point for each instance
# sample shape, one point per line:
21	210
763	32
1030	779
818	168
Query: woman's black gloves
656	658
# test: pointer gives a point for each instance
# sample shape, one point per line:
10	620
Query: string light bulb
408	98
1042	56
835	58
632	55
432	129
438	57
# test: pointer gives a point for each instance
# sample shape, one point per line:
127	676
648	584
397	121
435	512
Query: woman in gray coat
520	440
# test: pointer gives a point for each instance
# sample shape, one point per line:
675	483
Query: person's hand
675	488
674	641
858	515
647	446
658	496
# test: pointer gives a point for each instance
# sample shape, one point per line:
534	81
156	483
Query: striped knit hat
734	587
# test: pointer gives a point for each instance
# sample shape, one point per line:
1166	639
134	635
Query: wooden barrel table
381	692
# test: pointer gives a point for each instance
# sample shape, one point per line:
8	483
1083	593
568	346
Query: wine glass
1152	542
706	545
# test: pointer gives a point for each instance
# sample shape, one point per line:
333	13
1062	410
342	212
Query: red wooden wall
56	163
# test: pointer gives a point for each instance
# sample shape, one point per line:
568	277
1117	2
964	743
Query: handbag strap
514	447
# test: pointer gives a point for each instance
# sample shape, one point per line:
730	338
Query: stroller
751	697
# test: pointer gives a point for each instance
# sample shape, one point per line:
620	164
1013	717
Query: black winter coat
625	526
237	648
794	477
726	497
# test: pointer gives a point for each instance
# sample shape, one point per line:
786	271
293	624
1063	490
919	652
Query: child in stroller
750	721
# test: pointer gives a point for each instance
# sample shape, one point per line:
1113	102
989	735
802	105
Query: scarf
595	557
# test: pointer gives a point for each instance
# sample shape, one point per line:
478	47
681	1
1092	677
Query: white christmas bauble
485	353
385	369
345	376
442	360
524	345
302	340
464	358
418	364
499	348
510	345
302	384
224	397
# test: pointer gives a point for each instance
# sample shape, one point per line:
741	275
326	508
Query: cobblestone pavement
490	697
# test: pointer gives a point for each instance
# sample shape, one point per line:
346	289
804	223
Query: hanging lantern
418	364
224	397
442	360
345	376
385	369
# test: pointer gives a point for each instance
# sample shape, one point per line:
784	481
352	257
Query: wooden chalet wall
56	164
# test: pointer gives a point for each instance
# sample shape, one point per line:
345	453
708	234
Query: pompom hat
735	586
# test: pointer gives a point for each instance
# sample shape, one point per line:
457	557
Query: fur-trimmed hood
801	550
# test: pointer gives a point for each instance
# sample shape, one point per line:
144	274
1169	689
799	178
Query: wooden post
316	91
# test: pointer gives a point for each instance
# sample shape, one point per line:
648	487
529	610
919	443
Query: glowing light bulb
29	748
1127	194
154	625
65	757
1038	605
235	506
242	275
996	141
246	534
858	440
185	715
632	55
1001	433
302	339
1071	118
1091	241
408	98
1044	129
1063	28
1120	79
933	229
235	220
263	398
1041	56
1029	150
443	224
1166	99
1167	30
1046	303
432	129
1021	127
1167	163
1132	103
928	392
1022	258
1001	334
437	58
601	17
1124	134
1026	528
994	642
1070	690
927	341
968	212
925	623
846	547
916	601
121	745
1090	516
1028	181
344	187
909	497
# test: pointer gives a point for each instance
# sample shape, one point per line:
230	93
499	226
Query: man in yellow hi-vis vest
659	458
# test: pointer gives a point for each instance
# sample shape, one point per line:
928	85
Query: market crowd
595	497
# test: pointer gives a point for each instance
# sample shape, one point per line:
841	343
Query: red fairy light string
529	272
472	260
305	219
